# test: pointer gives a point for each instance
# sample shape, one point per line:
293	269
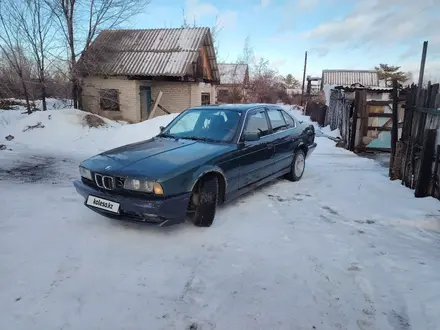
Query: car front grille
119	188
105	182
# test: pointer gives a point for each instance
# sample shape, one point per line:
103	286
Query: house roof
366	78
232	73
370	89
153	52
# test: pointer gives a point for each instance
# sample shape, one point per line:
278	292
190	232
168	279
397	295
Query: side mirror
161	128
251	136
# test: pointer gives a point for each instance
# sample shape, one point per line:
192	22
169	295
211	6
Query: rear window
289	120
276	120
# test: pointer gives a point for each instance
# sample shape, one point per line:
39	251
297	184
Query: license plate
103	204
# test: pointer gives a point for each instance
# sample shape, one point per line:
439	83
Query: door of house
145	101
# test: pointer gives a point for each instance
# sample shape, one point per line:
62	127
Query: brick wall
175	97
196	93
179	96
129	99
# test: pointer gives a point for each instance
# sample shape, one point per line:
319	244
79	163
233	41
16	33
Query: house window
109	99
223	95
206	98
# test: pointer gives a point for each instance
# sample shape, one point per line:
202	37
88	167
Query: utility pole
304	79
422	72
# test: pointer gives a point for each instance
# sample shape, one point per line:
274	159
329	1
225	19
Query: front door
256	159
145	101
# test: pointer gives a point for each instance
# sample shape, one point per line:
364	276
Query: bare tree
247	56
81	21
11	44
264	83
262	80
35	22
215	30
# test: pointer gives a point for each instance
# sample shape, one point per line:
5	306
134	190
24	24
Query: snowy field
344	248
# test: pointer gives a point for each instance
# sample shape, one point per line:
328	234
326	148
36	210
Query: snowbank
67	130
328	132
141	131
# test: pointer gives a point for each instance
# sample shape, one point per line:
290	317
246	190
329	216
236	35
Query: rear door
256	159
285	136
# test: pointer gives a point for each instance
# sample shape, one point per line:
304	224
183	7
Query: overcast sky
338	34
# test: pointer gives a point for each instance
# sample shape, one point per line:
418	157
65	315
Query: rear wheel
297	167
204	200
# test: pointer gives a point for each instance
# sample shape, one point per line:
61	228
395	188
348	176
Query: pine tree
290	81
389	72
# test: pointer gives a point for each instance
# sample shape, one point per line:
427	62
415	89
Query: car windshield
205	124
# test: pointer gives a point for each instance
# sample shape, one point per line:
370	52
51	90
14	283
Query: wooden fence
416	157
338	115
316	111
363	116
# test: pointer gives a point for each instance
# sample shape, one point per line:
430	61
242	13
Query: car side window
289	120
277	120
257	123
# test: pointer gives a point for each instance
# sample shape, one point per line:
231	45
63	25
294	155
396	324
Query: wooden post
425	171
359	109
394	129
407	137
434	174
354	118
156	103
421	72
363	116
409	156
304	78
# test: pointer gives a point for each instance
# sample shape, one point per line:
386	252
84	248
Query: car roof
236	107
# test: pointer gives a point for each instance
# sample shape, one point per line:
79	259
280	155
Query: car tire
297	167
207	190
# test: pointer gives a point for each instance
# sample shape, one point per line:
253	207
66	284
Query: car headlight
144	186
85	173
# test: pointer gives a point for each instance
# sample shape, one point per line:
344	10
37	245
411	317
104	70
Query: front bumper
161	212
311	148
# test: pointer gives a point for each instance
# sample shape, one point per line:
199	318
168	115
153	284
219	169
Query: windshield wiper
168	136
199	138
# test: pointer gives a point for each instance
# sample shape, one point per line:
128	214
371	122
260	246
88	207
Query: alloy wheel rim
299	165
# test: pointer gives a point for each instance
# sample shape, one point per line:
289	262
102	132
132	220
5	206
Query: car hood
154	157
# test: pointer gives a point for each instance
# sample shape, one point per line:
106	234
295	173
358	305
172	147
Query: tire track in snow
192	310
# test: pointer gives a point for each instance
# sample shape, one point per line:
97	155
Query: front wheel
297	167
204	201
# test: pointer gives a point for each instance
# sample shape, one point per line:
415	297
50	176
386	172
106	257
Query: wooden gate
339	114
380	121
374	123
417	147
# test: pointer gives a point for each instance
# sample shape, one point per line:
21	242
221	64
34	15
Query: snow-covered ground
344	248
